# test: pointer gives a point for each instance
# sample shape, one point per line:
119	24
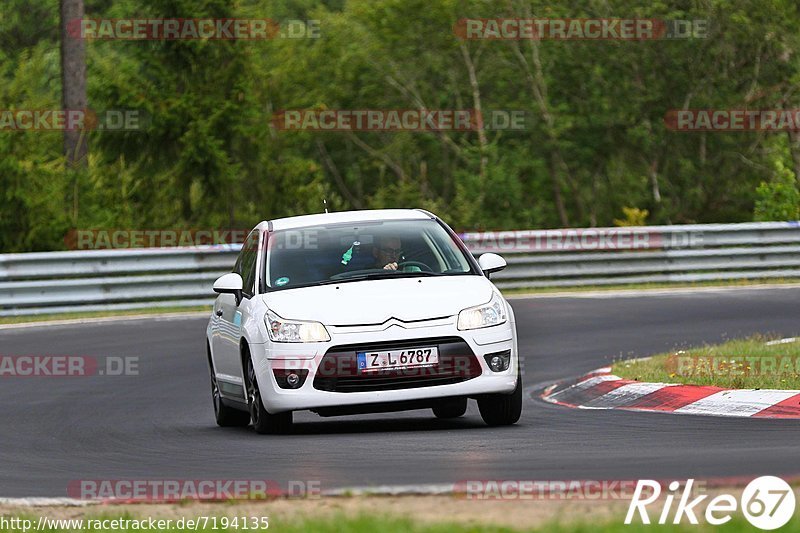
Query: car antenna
325	203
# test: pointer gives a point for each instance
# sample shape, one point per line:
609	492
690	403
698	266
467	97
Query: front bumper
323	389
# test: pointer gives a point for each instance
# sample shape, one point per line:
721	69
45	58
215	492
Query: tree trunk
794	149
483	142
557	196
73	80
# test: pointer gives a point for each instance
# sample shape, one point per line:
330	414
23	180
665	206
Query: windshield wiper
379	275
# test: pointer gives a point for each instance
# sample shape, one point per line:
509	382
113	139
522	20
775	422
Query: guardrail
648	254
99	280
107	280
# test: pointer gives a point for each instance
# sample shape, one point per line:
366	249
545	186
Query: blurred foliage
779	198
633	217
594	142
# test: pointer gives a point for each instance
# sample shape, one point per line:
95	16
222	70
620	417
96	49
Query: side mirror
490	262
230	284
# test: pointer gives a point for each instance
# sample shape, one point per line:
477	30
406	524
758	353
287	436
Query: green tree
778	198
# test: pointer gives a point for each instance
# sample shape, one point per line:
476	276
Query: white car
360	312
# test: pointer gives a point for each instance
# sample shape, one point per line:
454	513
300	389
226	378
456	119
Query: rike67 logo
767	502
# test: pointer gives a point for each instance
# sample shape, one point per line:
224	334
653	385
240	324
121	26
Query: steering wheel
401	265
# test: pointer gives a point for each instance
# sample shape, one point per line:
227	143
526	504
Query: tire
263	422
451	408
226	416
502	409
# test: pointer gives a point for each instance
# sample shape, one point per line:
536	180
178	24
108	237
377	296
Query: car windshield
364	250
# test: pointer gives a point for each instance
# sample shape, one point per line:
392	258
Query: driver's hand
391	266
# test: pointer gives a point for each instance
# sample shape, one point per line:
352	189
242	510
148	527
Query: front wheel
502	409
263	422
224	415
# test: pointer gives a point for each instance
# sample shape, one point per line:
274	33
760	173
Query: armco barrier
104	280
649	254
55	282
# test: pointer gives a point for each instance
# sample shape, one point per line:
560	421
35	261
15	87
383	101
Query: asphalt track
159	424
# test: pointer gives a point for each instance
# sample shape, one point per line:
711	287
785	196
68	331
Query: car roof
344	217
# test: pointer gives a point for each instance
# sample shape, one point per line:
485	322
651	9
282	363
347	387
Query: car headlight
482	316
281	330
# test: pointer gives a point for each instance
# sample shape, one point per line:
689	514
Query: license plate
394	359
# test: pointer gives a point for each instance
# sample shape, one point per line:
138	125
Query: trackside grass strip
716	284
22	319
389	524
749	363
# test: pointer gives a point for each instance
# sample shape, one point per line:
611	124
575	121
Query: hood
376	301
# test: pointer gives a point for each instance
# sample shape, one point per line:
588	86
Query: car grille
338	370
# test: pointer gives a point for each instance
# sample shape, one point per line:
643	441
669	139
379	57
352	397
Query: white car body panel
376	301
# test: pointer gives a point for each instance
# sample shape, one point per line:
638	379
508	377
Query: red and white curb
603	390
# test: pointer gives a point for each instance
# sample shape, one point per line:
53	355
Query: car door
229	314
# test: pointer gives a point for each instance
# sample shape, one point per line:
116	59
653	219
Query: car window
246	263
352	252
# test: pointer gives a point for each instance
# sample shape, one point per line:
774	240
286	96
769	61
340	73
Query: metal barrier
57	282
640	255
108	280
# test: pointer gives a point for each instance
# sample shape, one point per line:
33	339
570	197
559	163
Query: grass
654	286
102	314
368	524
388	524
737	364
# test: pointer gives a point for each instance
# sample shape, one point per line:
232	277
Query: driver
387	252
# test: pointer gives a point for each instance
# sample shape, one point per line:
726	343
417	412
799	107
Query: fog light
290	378
498	361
